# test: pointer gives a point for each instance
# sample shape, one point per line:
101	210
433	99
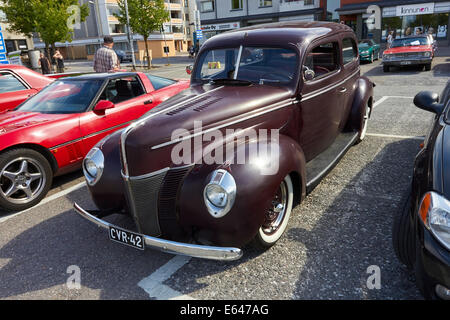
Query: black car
421	230
123	56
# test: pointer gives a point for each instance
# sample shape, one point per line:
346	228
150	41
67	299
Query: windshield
365	43
419	41
63	96
257	65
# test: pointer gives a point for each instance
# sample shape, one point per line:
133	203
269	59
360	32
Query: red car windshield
63	96
409	42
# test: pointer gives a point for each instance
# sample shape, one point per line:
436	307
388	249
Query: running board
321	165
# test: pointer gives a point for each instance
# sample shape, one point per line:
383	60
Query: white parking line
153	284
46	200
384	98
380	135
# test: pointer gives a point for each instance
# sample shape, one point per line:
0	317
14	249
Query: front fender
256	187
363	96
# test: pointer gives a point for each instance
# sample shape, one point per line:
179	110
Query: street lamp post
130	36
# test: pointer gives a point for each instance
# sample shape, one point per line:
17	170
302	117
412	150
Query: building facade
88	37
222	15
403	18
13	41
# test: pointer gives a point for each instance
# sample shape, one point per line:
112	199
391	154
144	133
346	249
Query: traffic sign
199	34
3	57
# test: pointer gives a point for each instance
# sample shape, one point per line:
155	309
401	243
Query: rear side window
349	50
122	89
323	59
159	82
9	83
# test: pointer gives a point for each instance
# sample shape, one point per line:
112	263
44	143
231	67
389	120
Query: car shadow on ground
353	233
395	71
441	70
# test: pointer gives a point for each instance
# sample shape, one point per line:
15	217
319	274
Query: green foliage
48	18
146	16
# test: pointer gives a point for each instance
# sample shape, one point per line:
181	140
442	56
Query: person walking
105	59
59	59
44	64
390	38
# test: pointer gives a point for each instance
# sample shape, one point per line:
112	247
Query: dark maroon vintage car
270	110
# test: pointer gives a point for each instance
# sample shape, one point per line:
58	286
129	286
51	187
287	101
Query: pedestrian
44	64
105	59
390	38
59	59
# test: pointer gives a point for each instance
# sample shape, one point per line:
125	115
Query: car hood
17	120
197	109
363	47
408	49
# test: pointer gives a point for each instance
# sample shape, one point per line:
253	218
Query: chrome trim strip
320	91
125	133
238	62
268	109
187	249
145	176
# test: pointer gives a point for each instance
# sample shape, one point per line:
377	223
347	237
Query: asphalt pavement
335	237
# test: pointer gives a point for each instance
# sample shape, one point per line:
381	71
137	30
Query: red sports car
50	133
413	50
18	83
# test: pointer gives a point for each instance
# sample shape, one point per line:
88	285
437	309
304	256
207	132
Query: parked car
50	133
18	83
288	80
124	56
421	230
413	50
369	50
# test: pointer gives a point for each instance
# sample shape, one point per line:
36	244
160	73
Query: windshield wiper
230	81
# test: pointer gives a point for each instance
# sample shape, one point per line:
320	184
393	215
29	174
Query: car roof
279	33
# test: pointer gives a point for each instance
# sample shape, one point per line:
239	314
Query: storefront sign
415	9
3	58
221	27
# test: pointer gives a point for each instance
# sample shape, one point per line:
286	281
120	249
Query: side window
323	59
349	50
122	89
159	82
9	83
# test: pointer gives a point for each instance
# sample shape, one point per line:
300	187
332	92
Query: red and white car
413	50
51	132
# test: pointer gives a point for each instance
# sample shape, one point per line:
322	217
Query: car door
13	90
130	100
350	69
320	107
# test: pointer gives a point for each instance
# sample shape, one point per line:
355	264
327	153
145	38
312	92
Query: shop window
10	45
349	50
434	24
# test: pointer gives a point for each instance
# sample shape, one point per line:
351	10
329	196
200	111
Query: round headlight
220	193
427	54
93	166
216	195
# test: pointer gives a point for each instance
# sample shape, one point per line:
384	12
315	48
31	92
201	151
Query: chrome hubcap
276	213
22	180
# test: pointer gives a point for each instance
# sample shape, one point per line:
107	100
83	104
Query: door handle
342	90
148	102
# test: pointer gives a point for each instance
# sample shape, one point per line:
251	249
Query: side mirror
189	69
428	101
103	105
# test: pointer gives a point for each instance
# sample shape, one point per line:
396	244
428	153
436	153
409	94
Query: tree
146	16
52	20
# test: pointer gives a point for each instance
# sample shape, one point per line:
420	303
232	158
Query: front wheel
385	68
277	216
25	178
428	67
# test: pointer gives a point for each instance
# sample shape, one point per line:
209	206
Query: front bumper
434	263
406	62
192	250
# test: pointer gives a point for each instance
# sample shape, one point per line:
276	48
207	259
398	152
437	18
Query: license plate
405	62
126	237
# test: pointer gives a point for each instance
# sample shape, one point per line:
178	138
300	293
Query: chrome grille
143	201
168	200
